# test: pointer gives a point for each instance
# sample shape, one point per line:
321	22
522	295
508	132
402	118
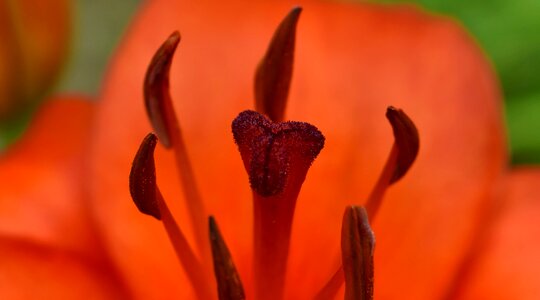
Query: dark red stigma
270	150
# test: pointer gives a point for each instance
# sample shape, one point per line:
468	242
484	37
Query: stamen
406	140
156	91
148	199
161	113
402	156
277	157
228	281
188	259
357	245
331	288
274	73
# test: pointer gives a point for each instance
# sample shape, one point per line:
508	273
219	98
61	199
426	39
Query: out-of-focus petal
42	197
34	271
510	266
49	246
34	39
352	61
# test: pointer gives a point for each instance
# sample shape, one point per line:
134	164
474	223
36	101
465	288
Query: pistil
277	157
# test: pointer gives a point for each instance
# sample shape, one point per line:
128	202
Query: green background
508	31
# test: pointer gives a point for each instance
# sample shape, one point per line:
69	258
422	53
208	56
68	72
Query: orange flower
440	231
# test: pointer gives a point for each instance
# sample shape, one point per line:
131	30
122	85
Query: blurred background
507	30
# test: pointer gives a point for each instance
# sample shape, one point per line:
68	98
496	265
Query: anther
357	246
142	178
406	141
156	91
402	156
227	278
274	72
148	199
160	110
277	157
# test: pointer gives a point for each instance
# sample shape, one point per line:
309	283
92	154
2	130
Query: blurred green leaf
99	27
524	114
10	131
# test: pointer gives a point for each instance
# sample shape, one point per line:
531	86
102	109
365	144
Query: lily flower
453	227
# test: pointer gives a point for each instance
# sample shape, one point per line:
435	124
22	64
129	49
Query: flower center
276	156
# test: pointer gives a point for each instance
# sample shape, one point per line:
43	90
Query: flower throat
277	155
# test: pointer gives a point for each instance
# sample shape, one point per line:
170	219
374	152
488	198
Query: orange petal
42	197
352	61
31	270
510	268
34	38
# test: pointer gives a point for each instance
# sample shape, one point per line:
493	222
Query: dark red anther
406	140
269	150
400	160
274	73
156	91
142	179
227	278
357	245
